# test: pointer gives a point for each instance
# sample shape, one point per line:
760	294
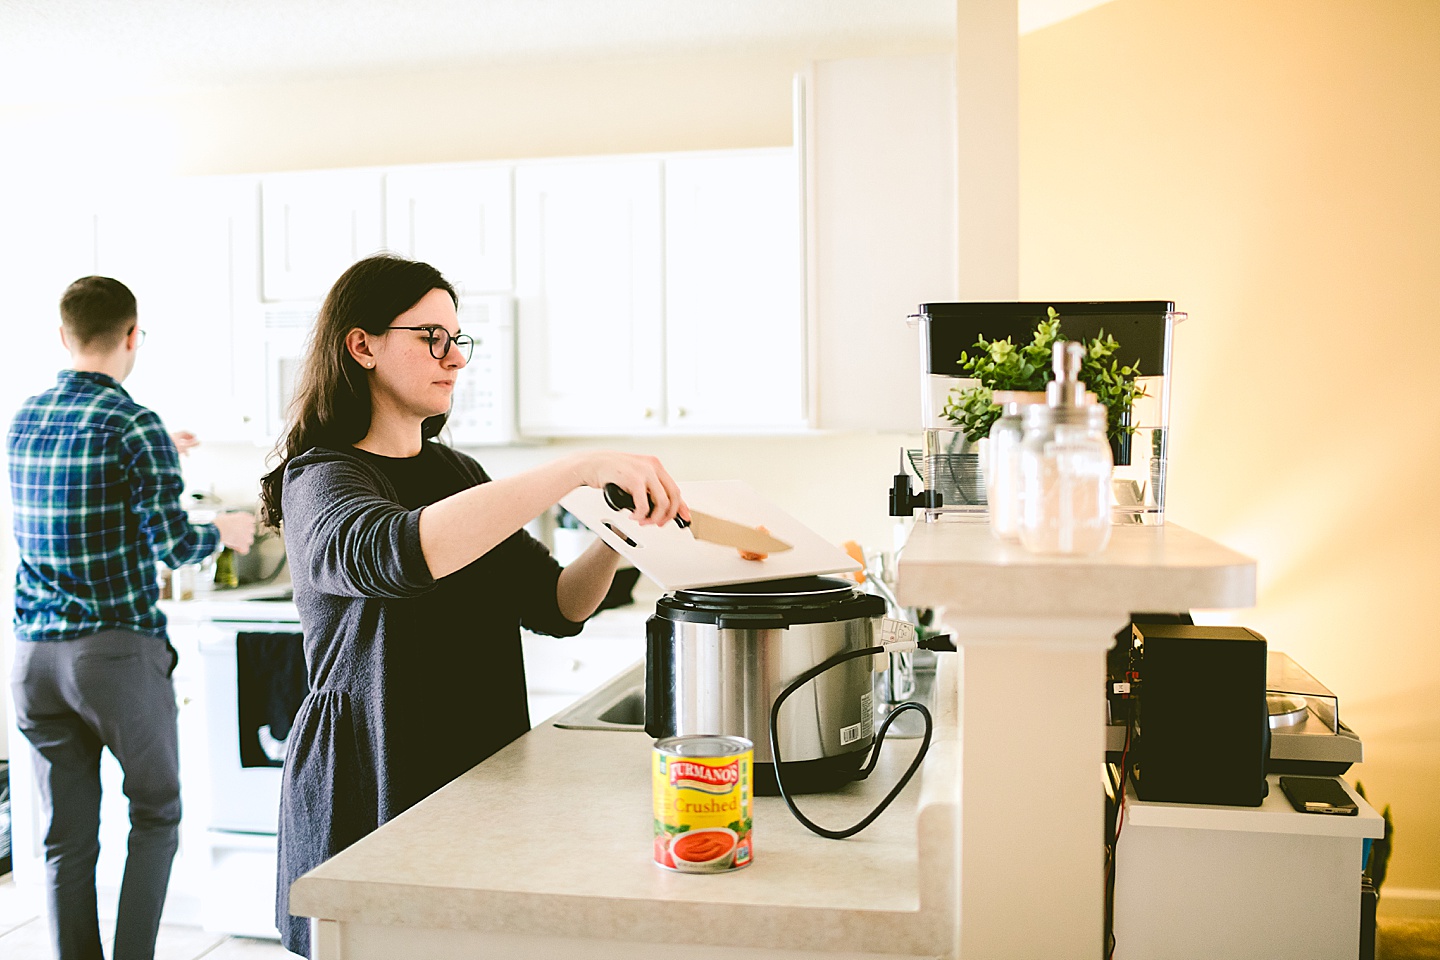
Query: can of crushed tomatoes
703	793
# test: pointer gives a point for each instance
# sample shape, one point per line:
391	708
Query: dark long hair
332	399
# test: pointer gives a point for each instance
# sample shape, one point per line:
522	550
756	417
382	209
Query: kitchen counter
1144	568
549	843
271	601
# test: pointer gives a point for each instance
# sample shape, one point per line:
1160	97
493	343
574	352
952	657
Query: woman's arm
585	581
342	527
464	527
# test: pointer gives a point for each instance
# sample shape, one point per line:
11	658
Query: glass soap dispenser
1002	465
1065	465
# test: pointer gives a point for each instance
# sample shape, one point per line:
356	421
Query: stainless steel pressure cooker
717	657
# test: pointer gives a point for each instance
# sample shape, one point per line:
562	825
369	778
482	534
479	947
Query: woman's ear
359	344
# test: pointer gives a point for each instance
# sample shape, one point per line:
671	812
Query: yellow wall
1274	168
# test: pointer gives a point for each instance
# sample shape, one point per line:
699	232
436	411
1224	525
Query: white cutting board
675	560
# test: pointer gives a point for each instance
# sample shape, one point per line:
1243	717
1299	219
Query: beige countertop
1152	568
552	837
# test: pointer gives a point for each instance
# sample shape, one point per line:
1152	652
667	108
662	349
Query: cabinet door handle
649	414
681	412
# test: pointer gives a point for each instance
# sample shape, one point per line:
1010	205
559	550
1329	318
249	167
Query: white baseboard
1415	902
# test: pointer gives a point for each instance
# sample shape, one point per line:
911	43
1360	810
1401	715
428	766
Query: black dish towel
271	682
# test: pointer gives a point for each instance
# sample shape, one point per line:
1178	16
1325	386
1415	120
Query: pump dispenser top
1067	389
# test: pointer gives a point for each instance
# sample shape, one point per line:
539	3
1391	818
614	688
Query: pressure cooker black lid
794	600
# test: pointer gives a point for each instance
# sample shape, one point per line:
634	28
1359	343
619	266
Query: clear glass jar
183	582
1065	469
1003	487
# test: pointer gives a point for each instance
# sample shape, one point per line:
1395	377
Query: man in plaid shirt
96	484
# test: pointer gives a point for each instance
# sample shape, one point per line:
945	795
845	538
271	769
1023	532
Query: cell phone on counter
1318	795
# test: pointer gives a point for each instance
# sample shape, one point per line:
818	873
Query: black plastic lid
772	603
1138	325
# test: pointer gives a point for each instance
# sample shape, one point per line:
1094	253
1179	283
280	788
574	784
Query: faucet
896	683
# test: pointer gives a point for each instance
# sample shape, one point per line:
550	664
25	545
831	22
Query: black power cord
811	674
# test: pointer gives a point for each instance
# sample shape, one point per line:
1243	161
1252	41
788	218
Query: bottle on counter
1065	466
225	573
1002	466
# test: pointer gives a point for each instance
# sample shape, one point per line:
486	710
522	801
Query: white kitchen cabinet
314	225
560	670
189	251
881	147
590	306
637	316
1221	881
457	219
734	300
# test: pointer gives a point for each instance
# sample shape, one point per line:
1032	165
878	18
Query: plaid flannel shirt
96	485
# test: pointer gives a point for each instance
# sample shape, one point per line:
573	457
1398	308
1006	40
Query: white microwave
483	409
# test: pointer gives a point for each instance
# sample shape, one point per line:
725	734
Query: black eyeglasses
440	340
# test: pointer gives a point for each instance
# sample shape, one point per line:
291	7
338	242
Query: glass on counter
182	582
1001	468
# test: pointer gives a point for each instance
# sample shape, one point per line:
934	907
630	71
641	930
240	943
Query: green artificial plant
1001	365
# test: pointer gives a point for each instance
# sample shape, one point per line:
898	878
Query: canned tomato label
703	790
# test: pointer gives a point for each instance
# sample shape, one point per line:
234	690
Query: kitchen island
545	850
1032	633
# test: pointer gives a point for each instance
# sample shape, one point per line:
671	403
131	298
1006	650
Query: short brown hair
97	312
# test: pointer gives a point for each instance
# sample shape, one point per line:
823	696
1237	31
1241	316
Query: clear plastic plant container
953	463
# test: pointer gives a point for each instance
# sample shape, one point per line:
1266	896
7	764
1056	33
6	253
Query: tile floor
24	935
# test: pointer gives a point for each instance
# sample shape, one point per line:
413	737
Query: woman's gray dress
412	681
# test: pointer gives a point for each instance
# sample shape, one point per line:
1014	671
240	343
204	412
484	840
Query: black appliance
1202	728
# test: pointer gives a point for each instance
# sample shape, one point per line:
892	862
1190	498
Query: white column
1032	809
987	84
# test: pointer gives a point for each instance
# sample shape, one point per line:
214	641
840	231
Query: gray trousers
72	698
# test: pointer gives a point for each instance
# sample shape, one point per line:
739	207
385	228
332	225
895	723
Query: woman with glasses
412	573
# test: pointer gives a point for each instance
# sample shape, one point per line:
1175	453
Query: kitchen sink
629	709
619	705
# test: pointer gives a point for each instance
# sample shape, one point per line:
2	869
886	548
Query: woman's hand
643	477
460	528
